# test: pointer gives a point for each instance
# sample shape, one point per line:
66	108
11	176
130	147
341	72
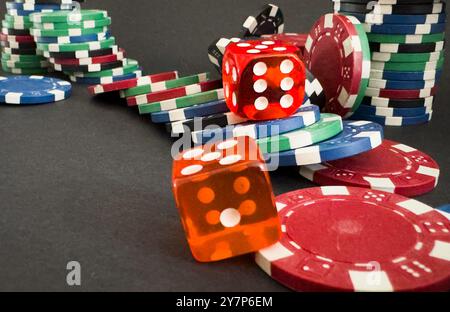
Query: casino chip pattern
407	43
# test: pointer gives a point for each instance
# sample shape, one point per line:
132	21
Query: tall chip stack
79	44
407	41
19	54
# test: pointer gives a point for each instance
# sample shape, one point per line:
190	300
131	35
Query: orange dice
225	199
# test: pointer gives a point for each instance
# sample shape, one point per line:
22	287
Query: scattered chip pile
407	43
19	53
79	44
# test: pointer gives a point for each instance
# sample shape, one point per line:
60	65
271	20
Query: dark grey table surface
88	179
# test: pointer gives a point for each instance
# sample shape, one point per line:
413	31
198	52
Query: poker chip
200	110
216	51
404	170
407	57
401	84
419	66
129	67
444	208
177	92
25	71
407	48
21	58
15	32
401	94
338	238
52	36
9	38
126	84
269	20
82	53
36	7
422	8
394	112
106	79
306	116
327	127
399	19
395	121
18	45
81	25
68	16
328	52
314	90
33	90
398	103
20	51
72	47
405	29
405	39
90	60
406	75
89	68
182	102
24	64
139	94
356	138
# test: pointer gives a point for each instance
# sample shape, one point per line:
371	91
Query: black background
89	179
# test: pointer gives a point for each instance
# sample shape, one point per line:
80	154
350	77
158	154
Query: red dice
225	199
263	79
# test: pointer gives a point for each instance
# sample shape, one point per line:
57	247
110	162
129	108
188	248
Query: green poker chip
382	38
10	25
25	71
67	16
23	65
327	127
165	85
407	57
129	67
71	32
409	67
182	102
15	19
82	24
72	47
22	58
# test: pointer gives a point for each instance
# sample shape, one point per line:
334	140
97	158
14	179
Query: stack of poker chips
407	44
19	54
79	44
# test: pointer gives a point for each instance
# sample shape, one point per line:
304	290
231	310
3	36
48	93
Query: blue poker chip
36	7
15	12
357	137
395	121
399	19
405	29
444	208
402	84
306	116
393	112
33	90
201	110
402	75
103	80
74	39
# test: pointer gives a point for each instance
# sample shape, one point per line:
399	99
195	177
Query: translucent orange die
263	79
225	199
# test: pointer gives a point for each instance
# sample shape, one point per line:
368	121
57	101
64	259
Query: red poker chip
332	56
91	60
339	238
176	92
9	38
392	167
131	83
401	94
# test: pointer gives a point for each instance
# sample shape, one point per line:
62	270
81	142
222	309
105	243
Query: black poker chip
88	68
268	21
216	51
397	103
314	90
93	53
16	32
407	48
423	8
30	51
18	45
